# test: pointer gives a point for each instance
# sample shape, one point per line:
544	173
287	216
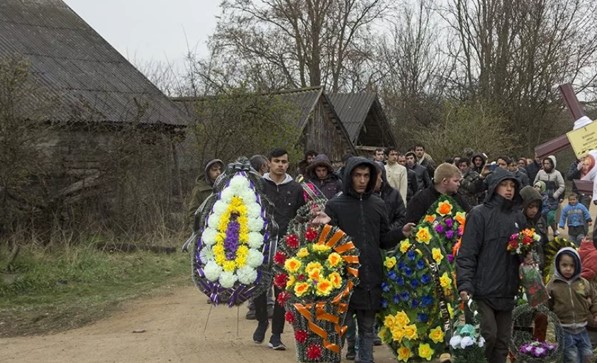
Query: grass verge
51	291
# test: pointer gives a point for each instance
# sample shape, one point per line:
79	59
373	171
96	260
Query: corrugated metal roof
352	108
73	62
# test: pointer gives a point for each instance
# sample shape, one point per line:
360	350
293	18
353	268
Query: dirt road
178	327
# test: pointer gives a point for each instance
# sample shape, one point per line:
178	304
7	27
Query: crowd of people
377	200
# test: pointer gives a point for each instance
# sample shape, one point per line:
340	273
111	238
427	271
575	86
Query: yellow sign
584	139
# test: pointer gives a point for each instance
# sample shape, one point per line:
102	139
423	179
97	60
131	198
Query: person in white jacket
397	174
554	186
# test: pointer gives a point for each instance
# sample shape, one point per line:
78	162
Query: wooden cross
561	142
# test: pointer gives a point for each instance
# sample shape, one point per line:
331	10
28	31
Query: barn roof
74	63
363	118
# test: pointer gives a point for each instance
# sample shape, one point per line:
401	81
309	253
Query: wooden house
313	115
92	92
364	119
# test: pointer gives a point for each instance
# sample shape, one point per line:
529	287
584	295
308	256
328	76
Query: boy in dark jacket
485	270
573	300
362	215
321	174
532	203
287	197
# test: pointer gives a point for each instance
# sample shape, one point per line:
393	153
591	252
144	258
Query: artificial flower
300	336
311	234
289	317
334	259
292	241
279	258
445	281
423	235
302	253
404	246
404	353
335	279
436	334
437	255
320	247
425	351
444	208
227	279
314	352
301	288
324	287
281	280
292	264
429	218
390	262
212	271
410	331
402	318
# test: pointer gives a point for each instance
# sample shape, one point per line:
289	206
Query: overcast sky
151	30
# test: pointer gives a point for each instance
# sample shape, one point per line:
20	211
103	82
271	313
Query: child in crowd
532	203
573	300
578	218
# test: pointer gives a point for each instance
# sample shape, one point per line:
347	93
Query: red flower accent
512	245
300	336
289	317
280	280
311	234
301	277
280	258
314	351
283	297
292	241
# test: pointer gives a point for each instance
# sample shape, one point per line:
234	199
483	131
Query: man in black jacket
485	270
362	215
287	197
421	172
446	181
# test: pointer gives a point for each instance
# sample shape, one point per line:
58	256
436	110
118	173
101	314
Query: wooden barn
364	119
92	100
310	112
321	127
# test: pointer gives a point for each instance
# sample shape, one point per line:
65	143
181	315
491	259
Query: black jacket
530	195
331	185
364	218
423	179
484	267
420	203
394	203
287	198
412	184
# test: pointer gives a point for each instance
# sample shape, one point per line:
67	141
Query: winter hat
541	185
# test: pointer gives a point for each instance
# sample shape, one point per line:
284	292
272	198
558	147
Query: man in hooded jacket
321	174
485	270
203	188
361	214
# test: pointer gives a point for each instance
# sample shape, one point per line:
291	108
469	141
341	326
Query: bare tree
412	66
304	42
514	53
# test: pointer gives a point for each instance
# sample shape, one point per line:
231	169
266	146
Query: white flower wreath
240	199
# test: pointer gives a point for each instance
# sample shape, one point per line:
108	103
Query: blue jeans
365	323
577	347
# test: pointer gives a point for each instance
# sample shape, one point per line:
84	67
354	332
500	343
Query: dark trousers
261	312
365	321
496	328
